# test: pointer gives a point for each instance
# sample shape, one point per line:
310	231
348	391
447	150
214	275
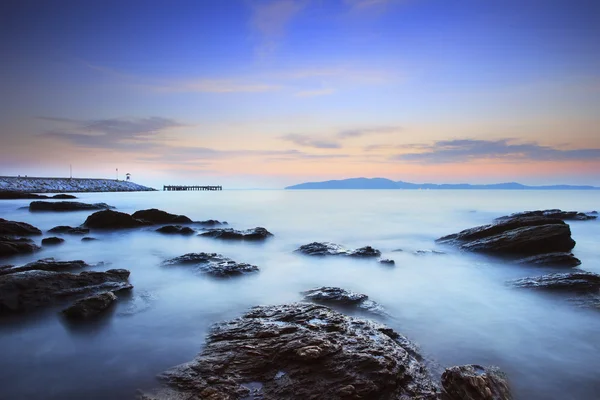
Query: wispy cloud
465	150
270	19
308	141
358	132
216	86
315	92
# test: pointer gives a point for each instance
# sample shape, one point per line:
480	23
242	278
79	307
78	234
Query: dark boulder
88	239
301	351
176	230
51	241
14	195
46	264
213	264
60	206
91	306
156	216
109	219
63	196
387	261
17	228
254	234
343	299
474	382
576	282
10	246
211	222
70	230
558	214
24	291
551	260
516	236
331	249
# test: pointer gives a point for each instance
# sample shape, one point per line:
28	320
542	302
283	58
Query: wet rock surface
27	290
322	249
60	206
387	261
474	382
516	236
343	299
254	234
176	230
88	239
13	195
301	351
63	196
558	214
70	230
91	306
109	219
157	216
11	246
17	228
211	222
46	264
51	241
576	282
552	260
213	264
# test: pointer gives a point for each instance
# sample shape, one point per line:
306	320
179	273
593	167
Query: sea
457	307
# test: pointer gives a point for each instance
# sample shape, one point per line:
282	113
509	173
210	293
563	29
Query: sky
265	94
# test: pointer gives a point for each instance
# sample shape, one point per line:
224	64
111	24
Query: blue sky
270	93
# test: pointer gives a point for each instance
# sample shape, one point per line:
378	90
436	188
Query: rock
516	236
558	214
90	306
232	234
176	229
213	264
25	291
10	246
331	249
64	196
301	351
552	260
109	219
344	299
474	382
387	261
17	228
70	230
156	216
88	239
211	222
577	282
428	252
66	206
594	213
13	195
46	264
50	241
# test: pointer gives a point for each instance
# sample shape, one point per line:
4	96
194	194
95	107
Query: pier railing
179	187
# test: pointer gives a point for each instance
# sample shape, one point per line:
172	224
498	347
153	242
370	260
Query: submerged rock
10	246
558	214
429	252
213	264
516	236
552	260
90	306
14	195
109	219
344	299
70	230
232	234
25	291
211	222
387	261
331	249
301	351
176	229
17	228
474	382
50	241
577	282
66	206
157	216
46	264
63	196
88	239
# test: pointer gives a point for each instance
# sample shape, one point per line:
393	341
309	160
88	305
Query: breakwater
56	185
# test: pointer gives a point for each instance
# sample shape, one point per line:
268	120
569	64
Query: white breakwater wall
62	185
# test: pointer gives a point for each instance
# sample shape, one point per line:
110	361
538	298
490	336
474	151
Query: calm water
455	306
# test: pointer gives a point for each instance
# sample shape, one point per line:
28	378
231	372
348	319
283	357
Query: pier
178	187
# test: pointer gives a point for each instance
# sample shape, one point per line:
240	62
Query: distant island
382	183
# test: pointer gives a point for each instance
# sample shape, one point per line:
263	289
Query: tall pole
117	173
71	171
